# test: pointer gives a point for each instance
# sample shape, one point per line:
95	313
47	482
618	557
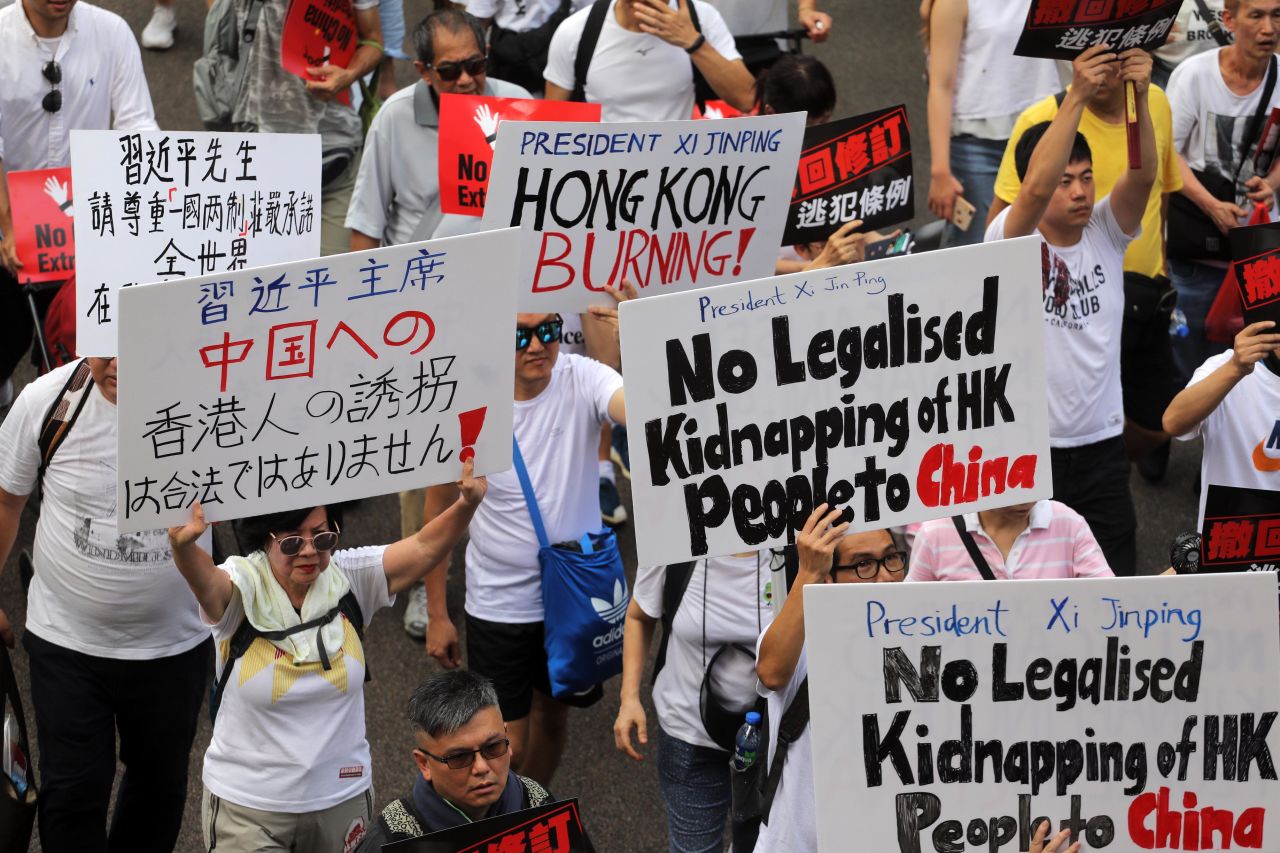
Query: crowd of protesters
124	644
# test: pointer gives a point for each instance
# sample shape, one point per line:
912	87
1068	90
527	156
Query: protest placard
899	390
318	32
1136	712
316	381
159	206
466	151
1241	530
1255	255
1061	29
666	205
43	232
854	168
553	827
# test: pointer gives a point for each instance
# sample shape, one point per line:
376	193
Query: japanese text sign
43	231
1255	250
552	828
1138	713
159	206
466	151
897	390
1241	530
666	205
1061	29
317	381
854	168
318	32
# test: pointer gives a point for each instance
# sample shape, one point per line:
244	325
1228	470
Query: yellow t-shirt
1110	160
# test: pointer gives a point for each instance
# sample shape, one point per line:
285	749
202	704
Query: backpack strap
1213	24
700	84
673	588
62	414
1060	97
587	48
794	721
975	554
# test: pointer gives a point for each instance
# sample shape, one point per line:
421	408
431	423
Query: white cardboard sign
324	380
1138	712
900	390
164	205
668	206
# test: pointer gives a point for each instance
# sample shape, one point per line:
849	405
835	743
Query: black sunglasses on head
450	71
52	72
547	332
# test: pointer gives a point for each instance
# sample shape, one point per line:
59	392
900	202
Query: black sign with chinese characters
1241	530
1255	251
854	168
1061	29
553	828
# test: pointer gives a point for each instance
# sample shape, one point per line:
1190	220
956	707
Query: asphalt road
876	59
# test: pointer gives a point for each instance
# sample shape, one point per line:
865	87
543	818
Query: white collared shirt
103	85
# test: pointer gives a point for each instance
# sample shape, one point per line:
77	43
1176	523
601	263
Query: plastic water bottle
1178	324
746	746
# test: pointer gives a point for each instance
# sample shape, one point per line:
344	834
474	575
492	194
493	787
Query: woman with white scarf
288	767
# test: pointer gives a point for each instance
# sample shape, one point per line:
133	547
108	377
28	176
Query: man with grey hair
464	761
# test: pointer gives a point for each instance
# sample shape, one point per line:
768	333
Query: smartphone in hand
962	213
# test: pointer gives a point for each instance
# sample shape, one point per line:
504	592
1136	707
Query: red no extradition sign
466	151
42	224
316	32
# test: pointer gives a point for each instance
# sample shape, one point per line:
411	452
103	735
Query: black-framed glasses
894	563
466	758
548	332
291	546
52	72
450	71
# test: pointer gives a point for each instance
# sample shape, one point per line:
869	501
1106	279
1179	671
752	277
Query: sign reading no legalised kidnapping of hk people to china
159	206
666	205
897	390
1138	713
316	381
41	202
854	168
1061	29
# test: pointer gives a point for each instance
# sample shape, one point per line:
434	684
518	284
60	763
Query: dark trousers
17	330
80	703
1094	481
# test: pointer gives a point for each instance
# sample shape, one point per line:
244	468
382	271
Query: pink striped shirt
1056	544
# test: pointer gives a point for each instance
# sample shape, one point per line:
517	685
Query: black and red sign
553	828
1061	29
1255	251
854	168
1241	530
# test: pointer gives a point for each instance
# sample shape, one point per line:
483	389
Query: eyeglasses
291	546
450	71
466	758
894	563
52	72
547	332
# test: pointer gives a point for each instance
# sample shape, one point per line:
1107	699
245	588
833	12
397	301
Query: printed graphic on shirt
262	654
1264	461
1069	302
1222	150
97	538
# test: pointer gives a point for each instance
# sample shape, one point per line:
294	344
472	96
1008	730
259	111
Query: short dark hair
1031	138
254	533
450	20
446	702
797	83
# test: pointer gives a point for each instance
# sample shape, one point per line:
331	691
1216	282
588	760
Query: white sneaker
158	34
415	613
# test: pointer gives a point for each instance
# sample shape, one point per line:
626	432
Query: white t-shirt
748	17
559	432
635	76
1209	120
1191	32
1242	435
95	590
517	15
292	739
1083	291
793	822
737	612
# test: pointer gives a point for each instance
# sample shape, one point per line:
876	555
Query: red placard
718	109
316	32
42	224
466	150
